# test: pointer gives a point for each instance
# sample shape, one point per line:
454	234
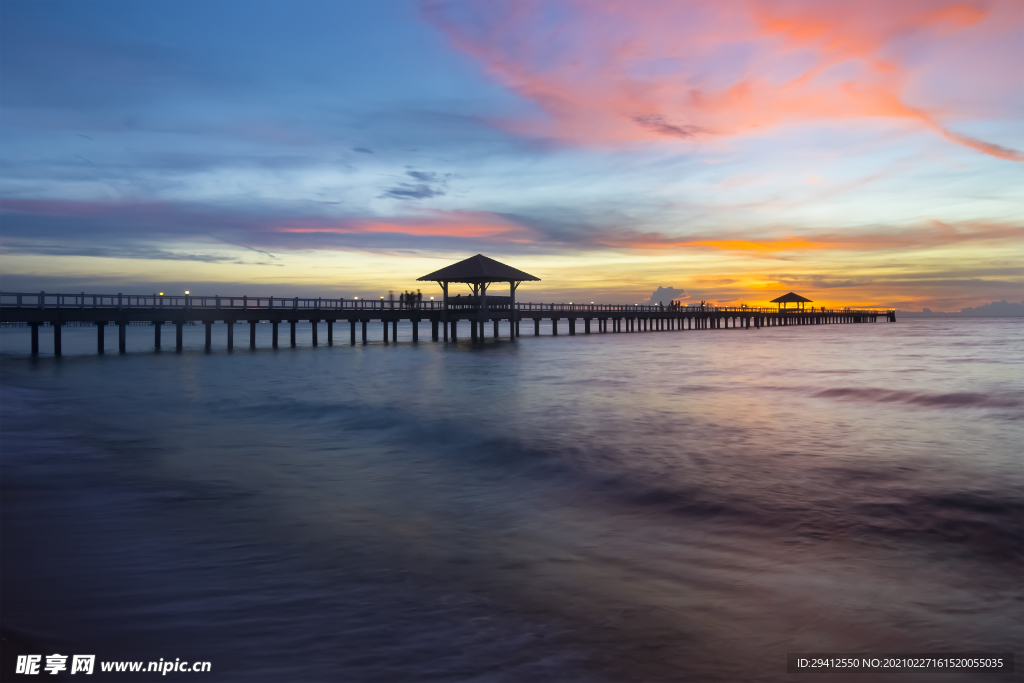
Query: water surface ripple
618	507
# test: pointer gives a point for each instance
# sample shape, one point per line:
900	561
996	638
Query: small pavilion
791	298
480	272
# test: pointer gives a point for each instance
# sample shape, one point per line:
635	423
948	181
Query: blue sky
856	152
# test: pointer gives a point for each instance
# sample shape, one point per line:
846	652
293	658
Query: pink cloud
464	224
606	73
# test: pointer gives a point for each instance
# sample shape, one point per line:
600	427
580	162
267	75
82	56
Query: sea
652	506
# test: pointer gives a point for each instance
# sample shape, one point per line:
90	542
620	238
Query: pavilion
480	272
791	298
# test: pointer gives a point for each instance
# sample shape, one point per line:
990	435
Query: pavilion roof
791	298
476	269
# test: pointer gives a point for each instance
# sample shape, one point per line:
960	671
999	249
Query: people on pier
409	299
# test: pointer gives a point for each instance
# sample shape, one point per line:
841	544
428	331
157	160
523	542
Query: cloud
996	308
425	176
408	191
363	150
606	73
657	123
430	185
664	295
117	228
933	234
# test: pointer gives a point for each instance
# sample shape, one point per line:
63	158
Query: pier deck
120	310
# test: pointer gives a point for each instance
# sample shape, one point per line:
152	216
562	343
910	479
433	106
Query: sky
861	152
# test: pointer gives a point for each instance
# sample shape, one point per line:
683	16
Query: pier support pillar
394	330
364	330
554	327
209	336
330	333
415	330
273	333
455	330
292	324
57	326
495	328
35	338
572	327
179	328
385	331
352	332
536	327
231	334
433	329
586	326
99	336
472	331
315	324
156	335
252	334
122	337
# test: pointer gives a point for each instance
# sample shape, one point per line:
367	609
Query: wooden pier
443	317
477	311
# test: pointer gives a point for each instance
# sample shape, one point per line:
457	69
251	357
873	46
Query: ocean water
661	506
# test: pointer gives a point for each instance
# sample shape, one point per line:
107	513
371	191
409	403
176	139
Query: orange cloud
938	234
463	224
619	72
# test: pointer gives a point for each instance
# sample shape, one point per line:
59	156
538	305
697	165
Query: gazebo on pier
479	272
791	298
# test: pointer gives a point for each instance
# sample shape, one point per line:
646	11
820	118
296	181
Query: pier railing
82	300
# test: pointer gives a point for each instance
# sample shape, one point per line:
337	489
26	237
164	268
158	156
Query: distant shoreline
940	314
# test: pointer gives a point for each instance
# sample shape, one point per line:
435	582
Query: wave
963	399
983	522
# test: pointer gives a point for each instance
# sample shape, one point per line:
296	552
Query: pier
442	320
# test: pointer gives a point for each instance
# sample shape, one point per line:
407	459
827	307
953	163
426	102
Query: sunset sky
856	152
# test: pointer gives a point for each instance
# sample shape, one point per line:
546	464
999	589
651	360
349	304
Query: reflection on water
618	507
